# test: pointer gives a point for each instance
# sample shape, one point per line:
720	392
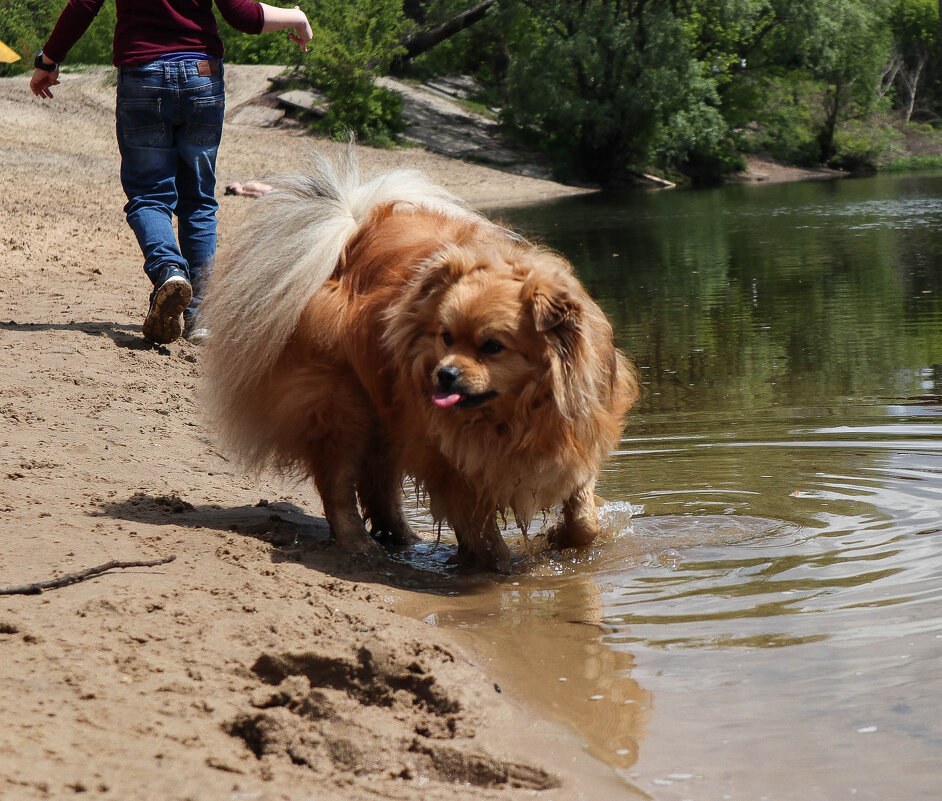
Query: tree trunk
912	83
826	137
423	41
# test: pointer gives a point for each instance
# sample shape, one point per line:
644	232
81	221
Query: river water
763	619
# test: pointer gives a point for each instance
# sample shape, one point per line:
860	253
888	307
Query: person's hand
41	81
302	33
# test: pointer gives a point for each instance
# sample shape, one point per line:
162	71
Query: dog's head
482	346
497	328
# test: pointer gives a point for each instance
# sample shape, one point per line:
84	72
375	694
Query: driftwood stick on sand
81	575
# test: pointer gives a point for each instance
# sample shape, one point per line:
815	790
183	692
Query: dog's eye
491	347
447	339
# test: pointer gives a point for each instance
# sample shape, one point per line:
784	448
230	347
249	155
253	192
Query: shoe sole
164	321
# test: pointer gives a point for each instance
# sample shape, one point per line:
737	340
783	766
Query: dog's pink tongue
443	400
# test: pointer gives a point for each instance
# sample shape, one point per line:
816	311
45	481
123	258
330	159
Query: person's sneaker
193	331
164	321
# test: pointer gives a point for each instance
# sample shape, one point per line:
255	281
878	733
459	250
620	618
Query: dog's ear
443	269
553	308
548	293
557	317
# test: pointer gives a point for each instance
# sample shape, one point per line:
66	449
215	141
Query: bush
354	41
861	144
912	163
266	48
359	107
787	120
24	24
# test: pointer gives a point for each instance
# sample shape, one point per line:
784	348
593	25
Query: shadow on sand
304	539
124	336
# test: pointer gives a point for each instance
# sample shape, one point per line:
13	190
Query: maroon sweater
149	29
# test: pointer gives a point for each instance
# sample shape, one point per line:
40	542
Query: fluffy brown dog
363	332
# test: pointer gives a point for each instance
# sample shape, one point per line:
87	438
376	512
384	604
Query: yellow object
7	56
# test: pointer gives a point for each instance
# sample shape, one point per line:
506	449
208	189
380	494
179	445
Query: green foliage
97	44
354	41
609	88
859	144
786	121
913	163
788	127
915	25
24	26
848	48
265	48
915	30
360	107
481	50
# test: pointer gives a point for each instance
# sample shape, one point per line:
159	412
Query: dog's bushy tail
280	255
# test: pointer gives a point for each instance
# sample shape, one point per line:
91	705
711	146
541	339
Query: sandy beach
260	663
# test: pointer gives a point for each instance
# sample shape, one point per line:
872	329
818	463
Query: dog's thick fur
362	332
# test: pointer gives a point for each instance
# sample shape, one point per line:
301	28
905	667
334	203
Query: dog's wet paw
396	537
356	542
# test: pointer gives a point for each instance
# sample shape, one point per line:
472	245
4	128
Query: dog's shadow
295	536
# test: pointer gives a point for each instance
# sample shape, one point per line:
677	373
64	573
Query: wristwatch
39	64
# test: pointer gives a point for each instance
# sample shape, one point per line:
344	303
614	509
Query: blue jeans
169	124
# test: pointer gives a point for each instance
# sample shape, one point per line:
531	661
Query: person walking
169	115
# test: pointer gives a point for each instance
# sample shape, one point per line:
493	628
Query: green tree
915	27
23	24
611	86
847	49
755	49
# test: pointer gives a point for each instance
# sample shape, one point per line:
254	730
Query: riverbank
260	663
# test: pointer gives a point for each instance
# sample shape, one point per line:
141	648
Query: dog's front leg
472	518
580	523
480	543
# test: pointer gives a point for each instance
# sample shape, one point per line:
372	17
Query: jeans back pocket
139	121
204	119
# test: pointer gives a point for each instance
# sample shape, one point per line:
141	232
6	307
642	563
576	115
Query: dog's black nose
448	376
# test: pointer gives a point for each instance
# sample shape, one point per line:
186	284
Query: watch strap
39	64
